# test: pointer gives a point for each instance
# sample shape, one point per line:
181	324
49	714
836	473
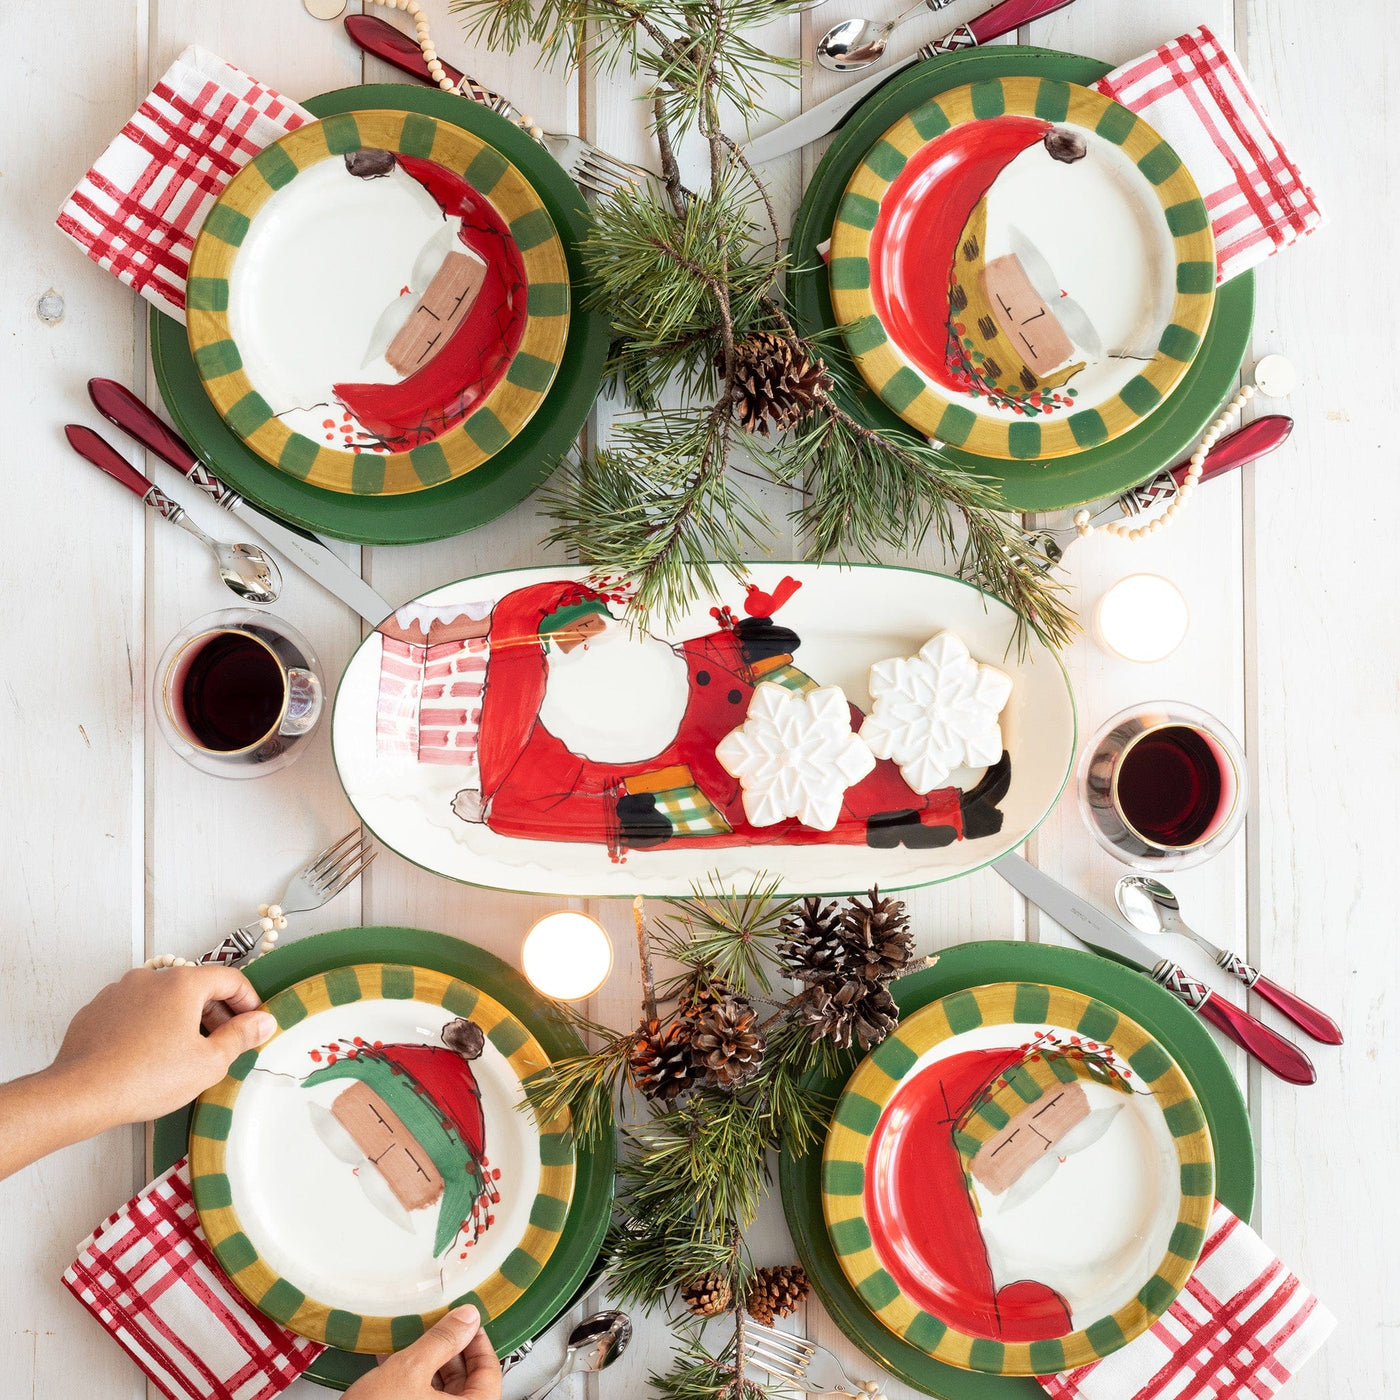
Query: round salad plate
1018	1180
370	1165
1184	1038
473	985
514	730
1039	482
377	302
1022	267
460	503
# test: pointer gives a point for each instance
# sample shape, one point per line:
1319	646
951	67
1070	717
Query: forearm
44	1112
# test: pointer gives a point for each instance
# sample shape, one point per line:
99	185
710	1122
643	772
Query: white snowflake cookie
935	712
795	755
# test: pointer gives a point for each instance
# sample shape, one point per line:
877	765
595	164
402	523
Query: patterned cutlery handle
118	405
379	37
236	946
1248	1032
1247	444
961	38
1304	1015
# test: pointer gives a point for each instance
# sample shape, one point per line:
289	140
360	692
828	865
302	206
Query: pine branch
727	933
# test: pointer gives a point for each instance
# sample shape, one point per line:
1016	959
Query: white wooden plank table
113	848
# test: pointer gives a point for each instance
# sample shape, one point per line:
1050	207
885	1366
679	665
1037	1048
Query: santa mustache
342	1146
1038	1175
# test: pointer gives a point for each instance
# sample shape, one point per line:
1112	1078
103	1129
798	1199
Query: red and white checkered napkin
137	211
1240	1330
1194	93
148	1276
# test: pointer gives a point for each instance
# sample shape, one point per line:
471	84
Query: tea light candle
1141	618
567	955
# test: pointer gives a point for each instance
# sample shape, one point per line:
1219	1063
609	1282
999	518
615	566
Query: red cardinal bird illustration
757	603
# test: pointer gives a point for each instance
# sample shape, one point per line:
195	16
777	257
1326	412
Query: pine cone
776	383
660	1062
700	994
815	945
878	937
776	1292
726	1043
707	1296
850	1009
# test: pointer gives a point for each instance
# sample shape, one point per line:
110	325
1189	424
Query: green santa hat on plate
432	1092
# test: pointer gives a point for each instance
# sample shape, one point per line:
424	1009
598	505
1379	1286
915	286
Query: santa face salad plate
378	302
371	1165
1022	268
1018	1180
514	730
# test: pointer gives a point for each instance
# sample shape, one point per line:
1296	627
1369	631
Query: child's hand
452	1358
135	1051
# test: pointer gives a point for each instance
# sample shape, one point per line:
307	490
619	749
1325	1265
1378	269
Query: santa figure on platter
594	731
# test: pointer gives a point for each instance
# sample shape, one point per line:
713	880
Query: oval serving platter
370	1166
378	302
1019	1180
512	731
1022	268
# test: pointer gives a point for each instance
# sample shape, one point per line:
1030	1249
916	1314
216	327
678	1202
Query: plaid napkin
1240	1330
148	1276
1193	91
137	211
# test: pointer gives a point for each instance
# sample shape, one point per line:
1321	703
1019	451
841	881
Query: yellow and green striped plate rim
494	422
278	1297
869	1090
928	408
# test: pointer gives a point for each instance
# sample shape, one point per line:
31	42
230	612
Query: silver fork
592	169
802	1364
317	883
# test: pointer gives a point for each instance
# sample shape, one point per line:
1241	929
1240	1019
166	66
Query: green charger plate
1183	1034
1106	470
470	500
590	1209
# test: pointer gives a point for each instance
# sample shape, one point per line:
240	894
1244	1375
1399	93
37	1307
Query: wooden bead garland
271	920
1122	529
425	42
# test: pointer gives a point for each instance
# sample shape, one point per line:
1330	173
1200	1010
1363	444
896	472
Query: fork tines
602	174
342	862
779	1353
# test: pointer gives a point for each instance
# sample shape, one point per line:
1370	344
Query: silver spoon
857	43
1152	908
594	1345
246	569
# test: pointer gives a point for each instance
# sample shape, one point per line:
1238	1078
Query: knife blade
1105	935
826	116
116	403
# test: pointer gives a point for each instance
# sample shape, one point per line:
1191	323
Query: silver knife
308	552
825	116
1105	935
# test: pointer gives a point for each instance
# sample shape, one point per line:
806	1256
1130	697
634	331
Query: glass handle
304	700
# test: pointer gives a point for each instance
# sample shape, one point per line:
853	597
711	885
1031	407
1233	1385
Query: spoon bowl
1148	905
247	570
594	1344
854	44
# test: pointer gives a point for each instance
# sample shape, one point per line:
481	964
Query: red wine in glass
1175	786
231	694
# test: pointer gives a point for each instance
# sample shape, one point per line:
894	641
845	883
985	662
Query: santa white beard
1097	1217
616	698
